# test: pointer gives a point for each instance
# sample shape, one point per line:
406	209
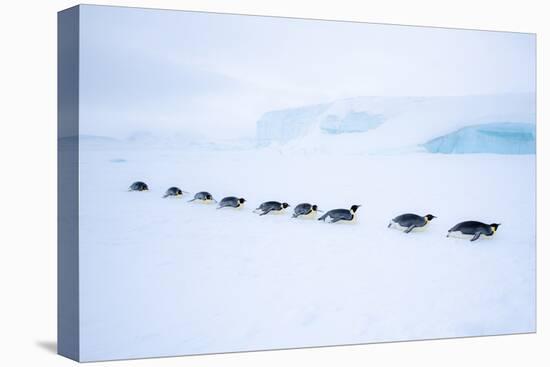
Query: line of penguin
405	222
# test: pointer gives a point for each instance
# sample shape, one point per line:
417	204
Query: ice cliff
501	138
383	124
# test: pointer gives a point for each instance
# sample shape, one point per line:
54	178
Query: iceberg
499	138
352	122
378	124
288	124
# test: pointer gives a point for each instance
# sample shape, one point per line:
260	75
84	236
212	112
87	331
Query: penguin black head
179	192
429	217
208	197
314	208
354	208
494	226
285	205
241	200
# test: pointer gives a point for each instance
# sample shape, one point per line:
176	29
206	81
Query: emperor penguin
474	228
203	197
231	202
306	210
271	206
138	186
336	215
408	222
174	191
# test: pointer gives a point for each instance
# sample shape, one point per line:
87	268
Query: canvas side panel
67	186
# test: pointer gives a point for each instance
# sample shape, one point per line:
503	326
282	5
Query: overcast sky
214	75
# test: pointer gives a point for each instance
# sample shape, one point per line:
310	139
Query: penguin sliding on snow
270	206
174	191
474	228
203	197
231	202
305	210
138	186
336	215
408	222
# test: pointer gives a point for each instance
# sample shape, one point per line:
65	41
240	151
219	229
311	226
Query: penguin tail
294	216
322	217
165	196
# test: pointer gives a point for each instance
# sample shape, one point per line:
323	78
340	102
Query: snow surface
502	138
162	277
388	124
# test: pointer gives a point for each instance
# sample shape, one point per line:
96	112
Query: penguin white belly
352	221
312	215
207	201
232	207
397	226
462	236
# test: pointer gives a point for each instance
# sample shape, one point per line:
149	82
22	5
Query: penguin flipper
410	228
165	196
265	212
322	217
334	220
476	236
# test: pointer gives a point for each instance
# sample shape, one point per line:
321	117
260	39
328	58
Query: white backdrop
28	182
